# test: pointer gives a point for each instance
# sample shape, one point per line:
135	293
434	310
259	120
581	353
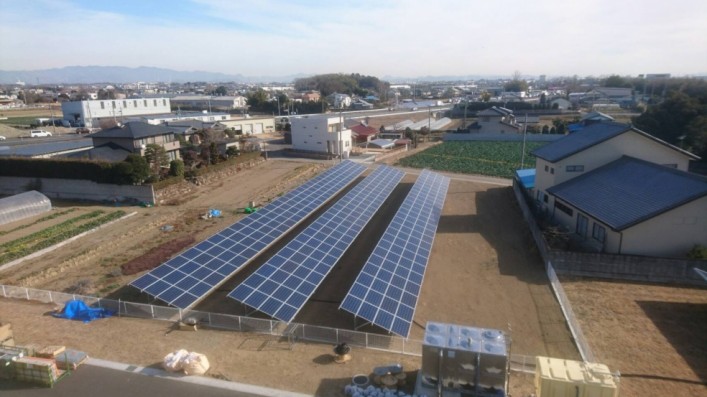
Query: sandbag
195	364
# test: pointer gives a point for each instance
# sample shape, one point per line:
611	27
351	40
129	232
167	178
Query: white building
90	113
210	102
321	134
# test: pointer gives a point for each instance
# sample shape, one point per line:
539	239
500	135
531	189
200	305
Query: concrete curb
197	380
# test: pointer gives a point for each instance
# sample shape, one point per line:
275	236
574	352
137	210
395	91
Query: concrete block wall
77	189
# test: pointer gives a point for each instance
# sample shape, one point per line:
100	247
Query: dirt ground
655	335
482	272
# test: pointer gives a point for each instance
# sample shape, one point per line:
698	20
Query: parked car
39	133
2	138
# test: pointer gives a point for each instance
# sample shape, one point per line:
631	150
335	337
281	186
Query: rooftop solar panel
185	279
387	288
282	286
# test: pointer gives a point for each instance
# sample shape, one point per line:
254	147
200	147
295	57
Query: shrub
176	168
697	252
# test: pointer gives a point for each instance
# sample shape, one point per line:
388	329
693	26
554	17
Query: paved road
90	380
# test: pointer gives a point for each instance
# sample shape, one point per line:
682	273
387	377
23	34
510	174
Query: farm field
498	159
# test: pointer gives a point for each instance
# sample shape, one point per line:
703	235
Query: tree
156	157
140	170
221	91
680	120
560	126
485	97
517	84
616	81
213	153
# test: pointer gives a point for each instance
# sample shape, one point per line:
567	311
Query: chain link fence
293	332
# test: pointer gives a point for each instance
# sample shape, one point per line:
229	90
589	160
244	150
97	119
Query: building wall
90	112
669	234
320	134
252	126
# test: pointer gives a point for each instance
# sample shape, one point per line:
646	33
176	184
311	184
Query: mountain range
122	75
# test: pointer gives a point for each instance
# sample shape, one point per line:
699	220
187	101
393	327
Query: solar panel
186	278
387	288
282	286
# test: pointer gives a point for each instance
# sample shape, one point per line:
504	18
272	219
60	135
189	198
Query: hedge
96	171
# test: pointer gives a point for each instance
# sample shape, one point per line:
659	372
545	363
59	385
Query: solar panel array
387	288
282	286
183	280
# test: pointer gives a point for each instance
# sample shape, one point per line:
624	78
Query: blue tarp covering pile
78	310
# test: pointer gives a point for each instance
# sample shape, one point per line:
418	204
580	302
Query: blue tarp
78	310
526	177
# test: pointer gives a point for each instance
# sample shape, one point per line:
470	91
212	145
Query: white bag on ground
195	364
174	361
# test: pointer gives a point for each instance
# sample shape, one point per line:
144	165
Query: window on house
113	104
154	102
582	223
145	102
545	198
552	170
599	233
562	207
103	105
547	168
125	104
574	168
134	104
164	102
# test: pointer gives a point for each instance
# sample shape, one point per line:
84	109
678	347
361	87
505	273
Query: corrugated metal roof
135	130
629	191
580	140
46	148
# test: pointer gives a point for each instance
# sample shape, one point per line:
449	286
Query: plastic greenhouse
23	205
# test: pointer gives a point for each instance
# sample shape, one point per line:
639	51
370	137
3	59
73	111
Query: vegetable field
499	159
49	236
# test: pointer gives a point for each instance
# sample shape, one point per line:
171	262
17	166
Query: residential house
620	190
311	96
363	133
134	137
339	101
562	103
321	134
497	120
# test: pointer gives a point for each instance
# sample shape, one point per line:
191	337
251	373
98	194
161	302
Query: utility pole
525	129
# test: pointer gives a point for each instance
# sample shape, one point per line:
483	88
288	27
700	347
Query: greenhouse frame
23	205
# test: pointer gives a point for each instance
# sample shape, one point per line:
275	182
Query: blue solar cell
318	247
400	258
286	311
171	293
158	285
282	293
199	289
240	242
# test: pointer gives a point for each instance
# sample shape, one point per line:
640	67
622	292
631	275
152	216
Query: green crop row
50	231
40	220
498	159
22	250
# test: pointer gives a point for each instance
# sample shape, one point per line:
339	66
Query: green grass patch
498	159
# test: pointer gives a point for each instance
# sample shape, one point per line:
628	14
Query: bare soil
483	271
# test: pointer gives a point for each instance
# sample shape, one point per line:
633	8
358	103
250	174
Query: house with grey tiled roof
620	190
497	120
134	136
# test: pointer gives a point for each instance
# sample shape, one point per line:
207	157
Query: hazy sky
397	38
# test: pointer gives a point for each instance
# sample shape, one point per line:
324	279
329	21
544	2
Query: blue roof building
620	190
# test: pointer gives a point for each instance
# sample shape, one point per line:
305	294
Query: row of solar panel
282	286
388	287
185	279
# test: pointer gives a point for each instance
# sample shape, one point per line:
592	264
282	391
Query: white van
39	133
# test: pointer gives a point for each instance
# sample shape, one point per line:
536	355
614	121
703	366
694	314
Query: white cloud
404	38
